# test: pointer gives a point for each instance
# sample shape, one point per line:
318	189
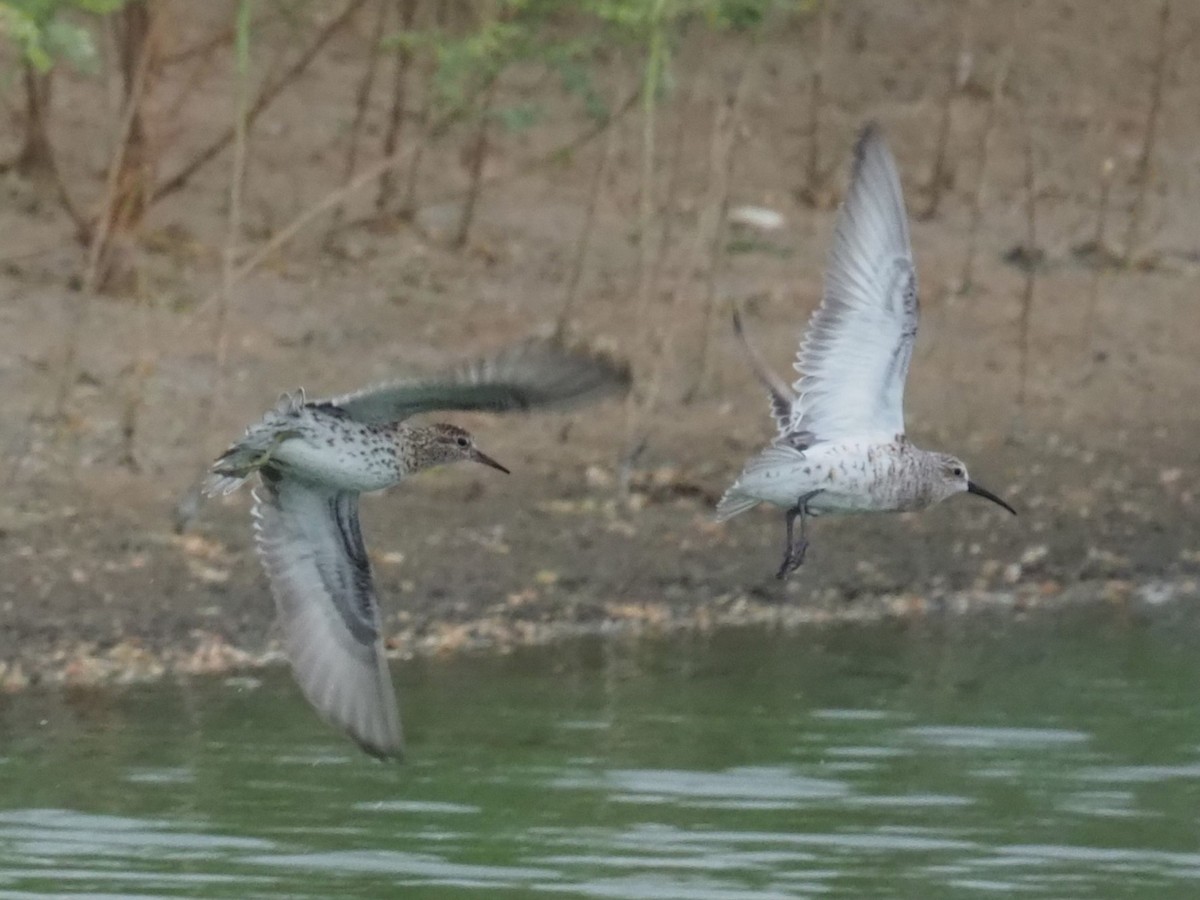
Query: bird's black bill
973	488
481	457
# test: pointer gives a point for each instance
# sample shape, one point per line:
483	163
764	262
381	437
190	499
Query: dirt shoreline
209	654
1099	457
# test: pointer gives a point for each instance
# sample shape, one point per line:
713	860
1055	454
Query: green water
1059	757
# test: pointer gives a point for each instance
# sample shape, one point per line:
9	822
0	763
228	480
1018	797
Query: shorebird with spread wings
315	458
841	445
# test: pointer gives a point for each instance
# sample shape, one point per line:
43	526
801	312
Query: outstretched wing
537	373
854	358
312	550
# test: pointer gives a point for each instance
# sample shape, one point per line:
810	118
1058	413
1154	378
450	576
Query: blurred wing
540	373
778	392
854	357
313	553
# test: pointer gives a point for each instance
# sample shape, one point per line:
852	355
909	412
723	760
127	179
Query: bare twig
362	98
98	239
268	94
575	278
985	144
233	232
203	48
816	100
408	205
297	224
137	377
1150	134
1103	257
390	163
136	31
674	176
190	502
556	155
400	70
651	78
1032	254
476	157
707	236
1107	168
652	72
35	159
939	177
728	135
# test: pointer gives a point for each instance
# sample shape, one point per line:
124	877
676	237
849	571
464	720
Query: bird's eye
462	441
957	471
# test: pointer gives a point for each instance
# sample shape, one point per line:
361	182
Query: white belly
849	477
349	458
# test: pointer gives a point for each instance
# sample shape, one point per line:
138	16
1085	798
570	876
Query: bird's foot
265	456
793	559
242	462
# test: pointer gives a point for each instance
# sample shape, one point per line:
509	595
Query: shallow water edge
129	662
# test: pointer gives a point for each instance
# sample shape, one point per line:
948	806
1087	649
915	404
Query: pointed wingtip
870	141
597	370
871	133
875	189
384	753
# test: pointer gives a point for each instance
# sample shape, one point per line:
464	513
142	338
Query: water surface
1059	757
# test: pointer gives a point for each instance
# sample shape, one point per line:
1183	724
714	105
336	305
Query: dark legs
793	552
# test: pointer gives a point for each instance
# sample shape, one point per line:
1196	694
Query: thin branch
985	145
674	171
603	160
1032	259
297	224
939	177
635	443
268	94
233	233
99	235
723	165
478	155
708	235
400	71
362	98
1103	256
204	47
652	76
1150	134
816	100
556	155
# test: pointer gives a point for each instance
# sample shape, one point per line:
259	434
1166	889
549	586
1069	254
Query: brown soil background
1101	460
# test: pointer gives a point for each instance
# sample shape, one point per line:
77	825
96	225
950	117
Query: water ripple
978	737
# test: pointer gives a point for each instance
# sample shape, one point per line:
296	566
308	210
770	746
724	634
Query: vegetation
432	68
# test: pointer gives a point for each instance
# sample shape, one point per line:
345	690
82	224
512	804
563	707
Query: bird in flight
841	446
315	458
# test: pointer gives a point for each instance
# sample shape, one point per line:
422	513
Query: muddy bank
1099	457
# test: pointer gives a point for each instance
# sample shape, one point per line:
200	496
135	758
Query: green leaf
44	35
519	117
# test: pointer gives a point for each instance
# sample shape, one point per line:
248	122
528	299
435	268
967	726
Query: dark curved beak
973	488
480	457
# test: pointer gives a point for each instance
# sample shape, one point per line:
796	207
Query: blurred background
207	204
605	694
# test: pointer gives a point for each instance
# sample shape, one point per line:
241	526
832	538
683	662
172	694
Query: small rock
759	217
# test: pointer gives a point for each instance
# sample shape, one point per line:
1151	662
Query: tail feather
254	450
734	503
761	473
218	485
